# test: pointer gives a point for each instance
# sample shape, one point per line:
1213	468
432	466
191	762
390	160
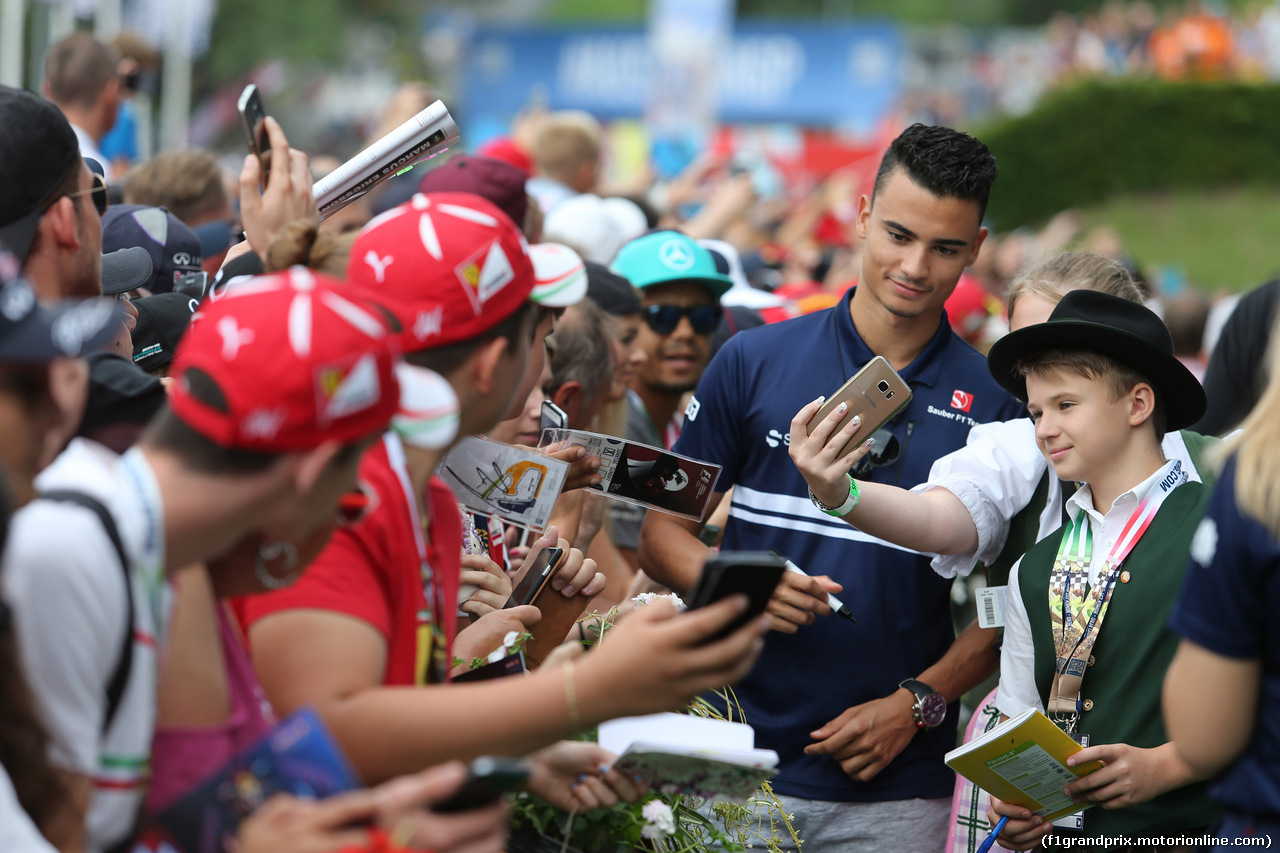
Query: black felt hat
1125	331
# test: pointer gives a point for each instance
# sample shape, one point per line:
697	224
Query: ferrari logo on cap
676	255
483	277
345	392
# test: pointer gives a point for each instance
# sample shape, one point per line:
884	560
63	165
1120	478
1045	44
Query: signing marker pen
836	604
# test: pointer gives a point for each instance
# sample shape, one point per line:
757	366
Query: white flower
658	820
497	654
510	639
649	597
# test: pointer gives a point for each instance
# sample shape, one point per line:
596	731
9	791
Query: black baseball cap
162	319
38	149
120	393
31	333
611	291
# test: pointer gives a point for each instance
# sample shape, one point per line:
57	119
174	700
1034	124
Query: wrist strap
838	511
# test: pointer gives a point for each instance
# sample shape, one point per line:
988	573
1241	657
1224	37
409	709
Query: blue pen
991	839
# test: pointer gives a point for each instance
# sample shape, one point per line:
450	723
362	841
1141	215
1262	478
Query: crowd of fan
220	458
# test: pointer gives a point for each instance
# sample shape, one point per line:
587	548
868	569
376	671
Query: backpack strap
124	662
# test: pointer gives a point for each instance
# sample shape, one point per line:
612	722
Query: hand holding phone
488	778
875	393
755	573
253	116
537	577
553	417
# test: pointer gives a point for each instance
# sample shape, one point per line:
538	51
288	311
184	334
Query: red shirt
374	573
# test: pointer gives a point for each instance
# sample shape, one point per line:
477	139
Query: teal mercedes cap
669	256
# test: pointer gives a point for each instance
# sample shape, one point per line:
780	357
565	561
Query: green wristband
838	511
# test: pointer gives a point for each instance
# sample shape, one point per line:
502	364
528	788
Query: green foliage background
1085	144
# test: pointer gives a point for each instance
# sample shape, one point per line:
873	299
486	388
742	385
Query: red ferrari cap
449	266
298	359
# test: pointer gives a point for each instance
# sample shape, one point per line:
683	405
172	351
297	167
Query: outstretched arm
933	522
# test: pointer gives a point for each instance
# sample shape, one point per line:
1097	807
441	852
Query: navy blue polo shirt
740	418
1229	598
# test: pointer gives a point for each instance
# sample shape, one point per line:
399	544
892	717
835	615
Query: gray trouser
915	825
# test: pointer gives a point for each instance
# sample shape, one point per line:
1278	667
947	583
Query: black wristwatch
931	706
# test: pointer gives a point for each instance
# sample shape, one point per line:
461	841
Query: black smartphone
254	118
535	579
755	573
488	778
553	417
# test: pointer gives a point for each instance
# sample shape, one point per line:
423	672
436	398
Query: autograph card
640	474
497	479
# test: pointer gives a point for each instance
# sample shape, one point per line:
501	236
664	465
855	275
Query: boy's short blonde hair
1120	379
565	142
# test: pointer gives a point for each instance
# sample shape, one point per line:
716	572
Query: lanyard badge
1076	611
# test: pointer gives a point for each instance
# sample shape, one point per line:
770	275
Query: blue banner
819	74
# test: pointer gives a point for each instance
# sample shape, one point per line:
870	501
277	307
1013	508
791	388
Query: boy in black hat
1102	384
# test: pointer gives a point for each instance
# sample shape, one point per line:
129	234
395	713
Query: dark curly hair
946	162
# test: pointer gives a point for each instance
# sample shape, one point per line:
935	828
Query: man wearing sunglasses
680	290
50	202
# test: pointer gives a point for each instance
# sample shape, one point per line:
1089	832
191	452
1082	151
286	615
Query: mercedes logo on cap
676	255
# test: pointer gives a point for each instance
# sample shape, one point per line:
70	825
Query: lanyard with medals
429	666
1076	613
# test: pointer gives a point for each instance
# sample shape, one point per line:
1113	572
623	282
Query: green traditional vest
1132	653
1024	527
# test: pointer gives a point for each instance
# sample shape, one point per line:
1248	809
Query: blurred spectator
189	183
499	182
594	227
36	392
139	72
1236	377
89	575
583	367
48	213
566	149
82	77
1186	315
680	290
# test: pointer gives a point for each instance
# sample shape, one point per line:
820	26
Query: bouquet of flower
661	822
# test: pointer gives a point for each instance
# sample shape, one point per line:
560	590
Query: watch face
933	710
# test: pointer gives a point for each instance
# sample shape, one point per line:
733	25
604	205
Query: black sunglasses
98	193
663	319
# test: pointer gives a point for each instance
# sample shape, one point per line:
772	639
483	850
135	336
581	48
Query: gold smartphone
876	392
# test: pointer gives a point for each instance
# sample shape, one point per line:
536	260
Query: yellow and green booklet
1024	761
